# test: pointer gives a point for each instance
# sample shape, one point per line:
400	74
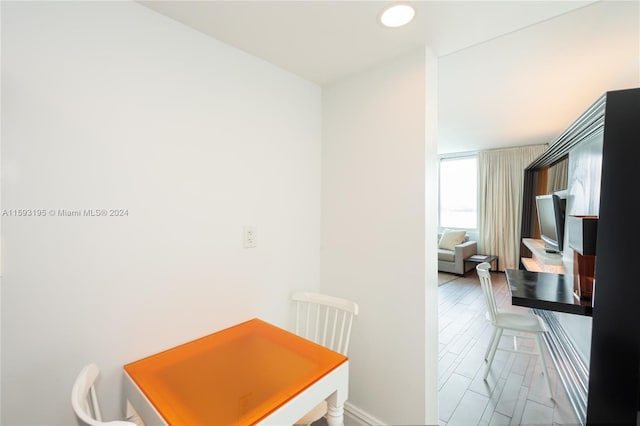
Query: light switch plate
249	236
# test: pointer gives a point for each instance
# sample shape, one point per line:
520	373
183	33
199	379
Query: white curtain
500	183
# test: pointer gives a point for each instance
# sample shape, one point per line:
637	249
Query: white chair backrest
85	402
325	320
487	289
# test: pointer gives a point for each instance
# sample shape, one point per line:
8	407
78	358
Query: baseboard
355	416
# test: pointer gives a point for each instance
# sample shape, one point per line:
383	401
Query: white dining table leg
335	409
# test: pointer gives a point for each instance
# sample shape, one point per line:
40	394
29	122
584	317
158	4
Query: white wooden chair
327	321
510	320
85	402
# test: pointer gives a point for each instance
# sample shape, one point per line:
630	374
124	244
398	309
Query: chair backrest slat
327	311
306	327
334	345
487	289
346	340
343	324
315	336
297	318
95	407
330	323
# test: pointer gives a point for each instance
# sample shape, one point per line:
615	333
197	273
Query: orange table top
236	376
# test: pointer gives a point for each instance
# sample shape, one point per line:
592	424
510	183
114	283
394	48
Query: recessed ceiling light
397	15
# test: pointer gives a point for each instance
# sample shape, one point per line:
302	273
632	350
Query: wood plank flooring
515	392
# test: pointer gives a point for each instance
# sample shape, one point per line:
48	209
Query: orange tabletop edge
236	376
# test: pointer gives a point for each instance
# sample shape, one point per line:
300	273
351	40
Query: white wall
432	352
373	233
110	105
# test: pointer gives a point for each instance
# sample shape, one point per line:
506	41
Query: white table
252	373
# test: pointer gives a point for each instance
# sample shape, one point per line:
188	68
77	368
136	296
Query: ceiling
510	72
324	41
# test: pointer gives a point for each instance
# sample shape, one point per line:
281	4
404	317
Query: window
459	192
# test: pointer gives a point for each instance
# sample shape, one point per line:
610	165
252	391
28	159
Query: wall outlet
249	236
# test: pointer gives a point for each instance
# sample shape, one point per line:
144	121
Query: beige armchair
452	261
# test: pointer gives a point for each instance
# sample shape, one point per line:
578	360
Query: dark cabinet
614	370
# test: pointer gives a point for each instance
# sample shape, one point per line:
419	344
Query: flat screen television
551	214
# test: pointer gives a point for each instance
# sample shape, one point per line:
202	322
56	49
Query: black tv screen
551	213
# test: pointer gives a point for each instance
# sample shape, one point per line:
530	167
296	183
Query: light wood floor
515	392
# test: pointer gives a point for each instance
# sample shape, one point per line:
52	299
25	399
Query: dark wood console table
545	290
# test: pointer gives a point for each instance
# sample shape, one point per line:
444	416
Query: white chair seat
519	321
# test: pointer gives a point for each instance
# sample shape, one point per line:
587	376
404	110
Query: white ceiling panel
528	86
323	41
510	72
